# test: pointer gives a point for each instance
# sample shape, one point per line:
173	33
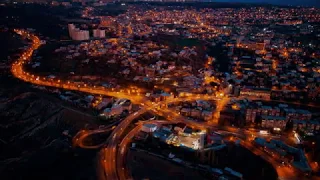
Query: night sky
281	2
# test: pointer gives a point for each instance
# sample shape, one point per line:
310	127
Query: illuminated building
71	28
211	155
77	34
80	35
149	71
306	125
274	122
148	128
292	114
256	93
98	33
253	112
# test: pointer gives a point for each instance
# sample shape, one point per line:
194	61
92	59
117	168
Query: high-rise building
202	140
99	33
71	28
78	34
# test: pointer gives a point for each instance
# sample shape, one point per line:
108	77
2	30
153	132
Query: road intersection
112	153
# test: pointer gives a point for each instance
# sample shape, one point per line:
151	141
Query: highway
121	168
110	151
284	172
78	139
18	71
112	154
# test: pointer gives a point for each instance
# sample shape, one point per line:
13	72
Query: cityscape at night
160	89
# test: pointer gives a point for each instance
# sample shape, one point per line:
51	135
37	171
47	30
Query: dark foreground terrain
36	133
145	166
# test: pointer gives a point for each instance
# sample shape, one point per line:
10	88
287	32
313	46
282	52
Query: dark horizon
315	3
304	3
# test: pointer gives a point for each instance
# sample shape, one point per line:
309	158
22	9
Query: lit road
110	152
80	137
276	101
18	71
121	168
112	156
284	172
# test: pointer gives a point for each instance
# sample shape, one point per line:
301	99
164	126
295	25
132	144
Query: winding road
112	154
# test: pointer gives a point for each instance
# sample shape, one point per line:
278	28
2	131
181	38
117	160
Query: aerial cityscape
159	89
